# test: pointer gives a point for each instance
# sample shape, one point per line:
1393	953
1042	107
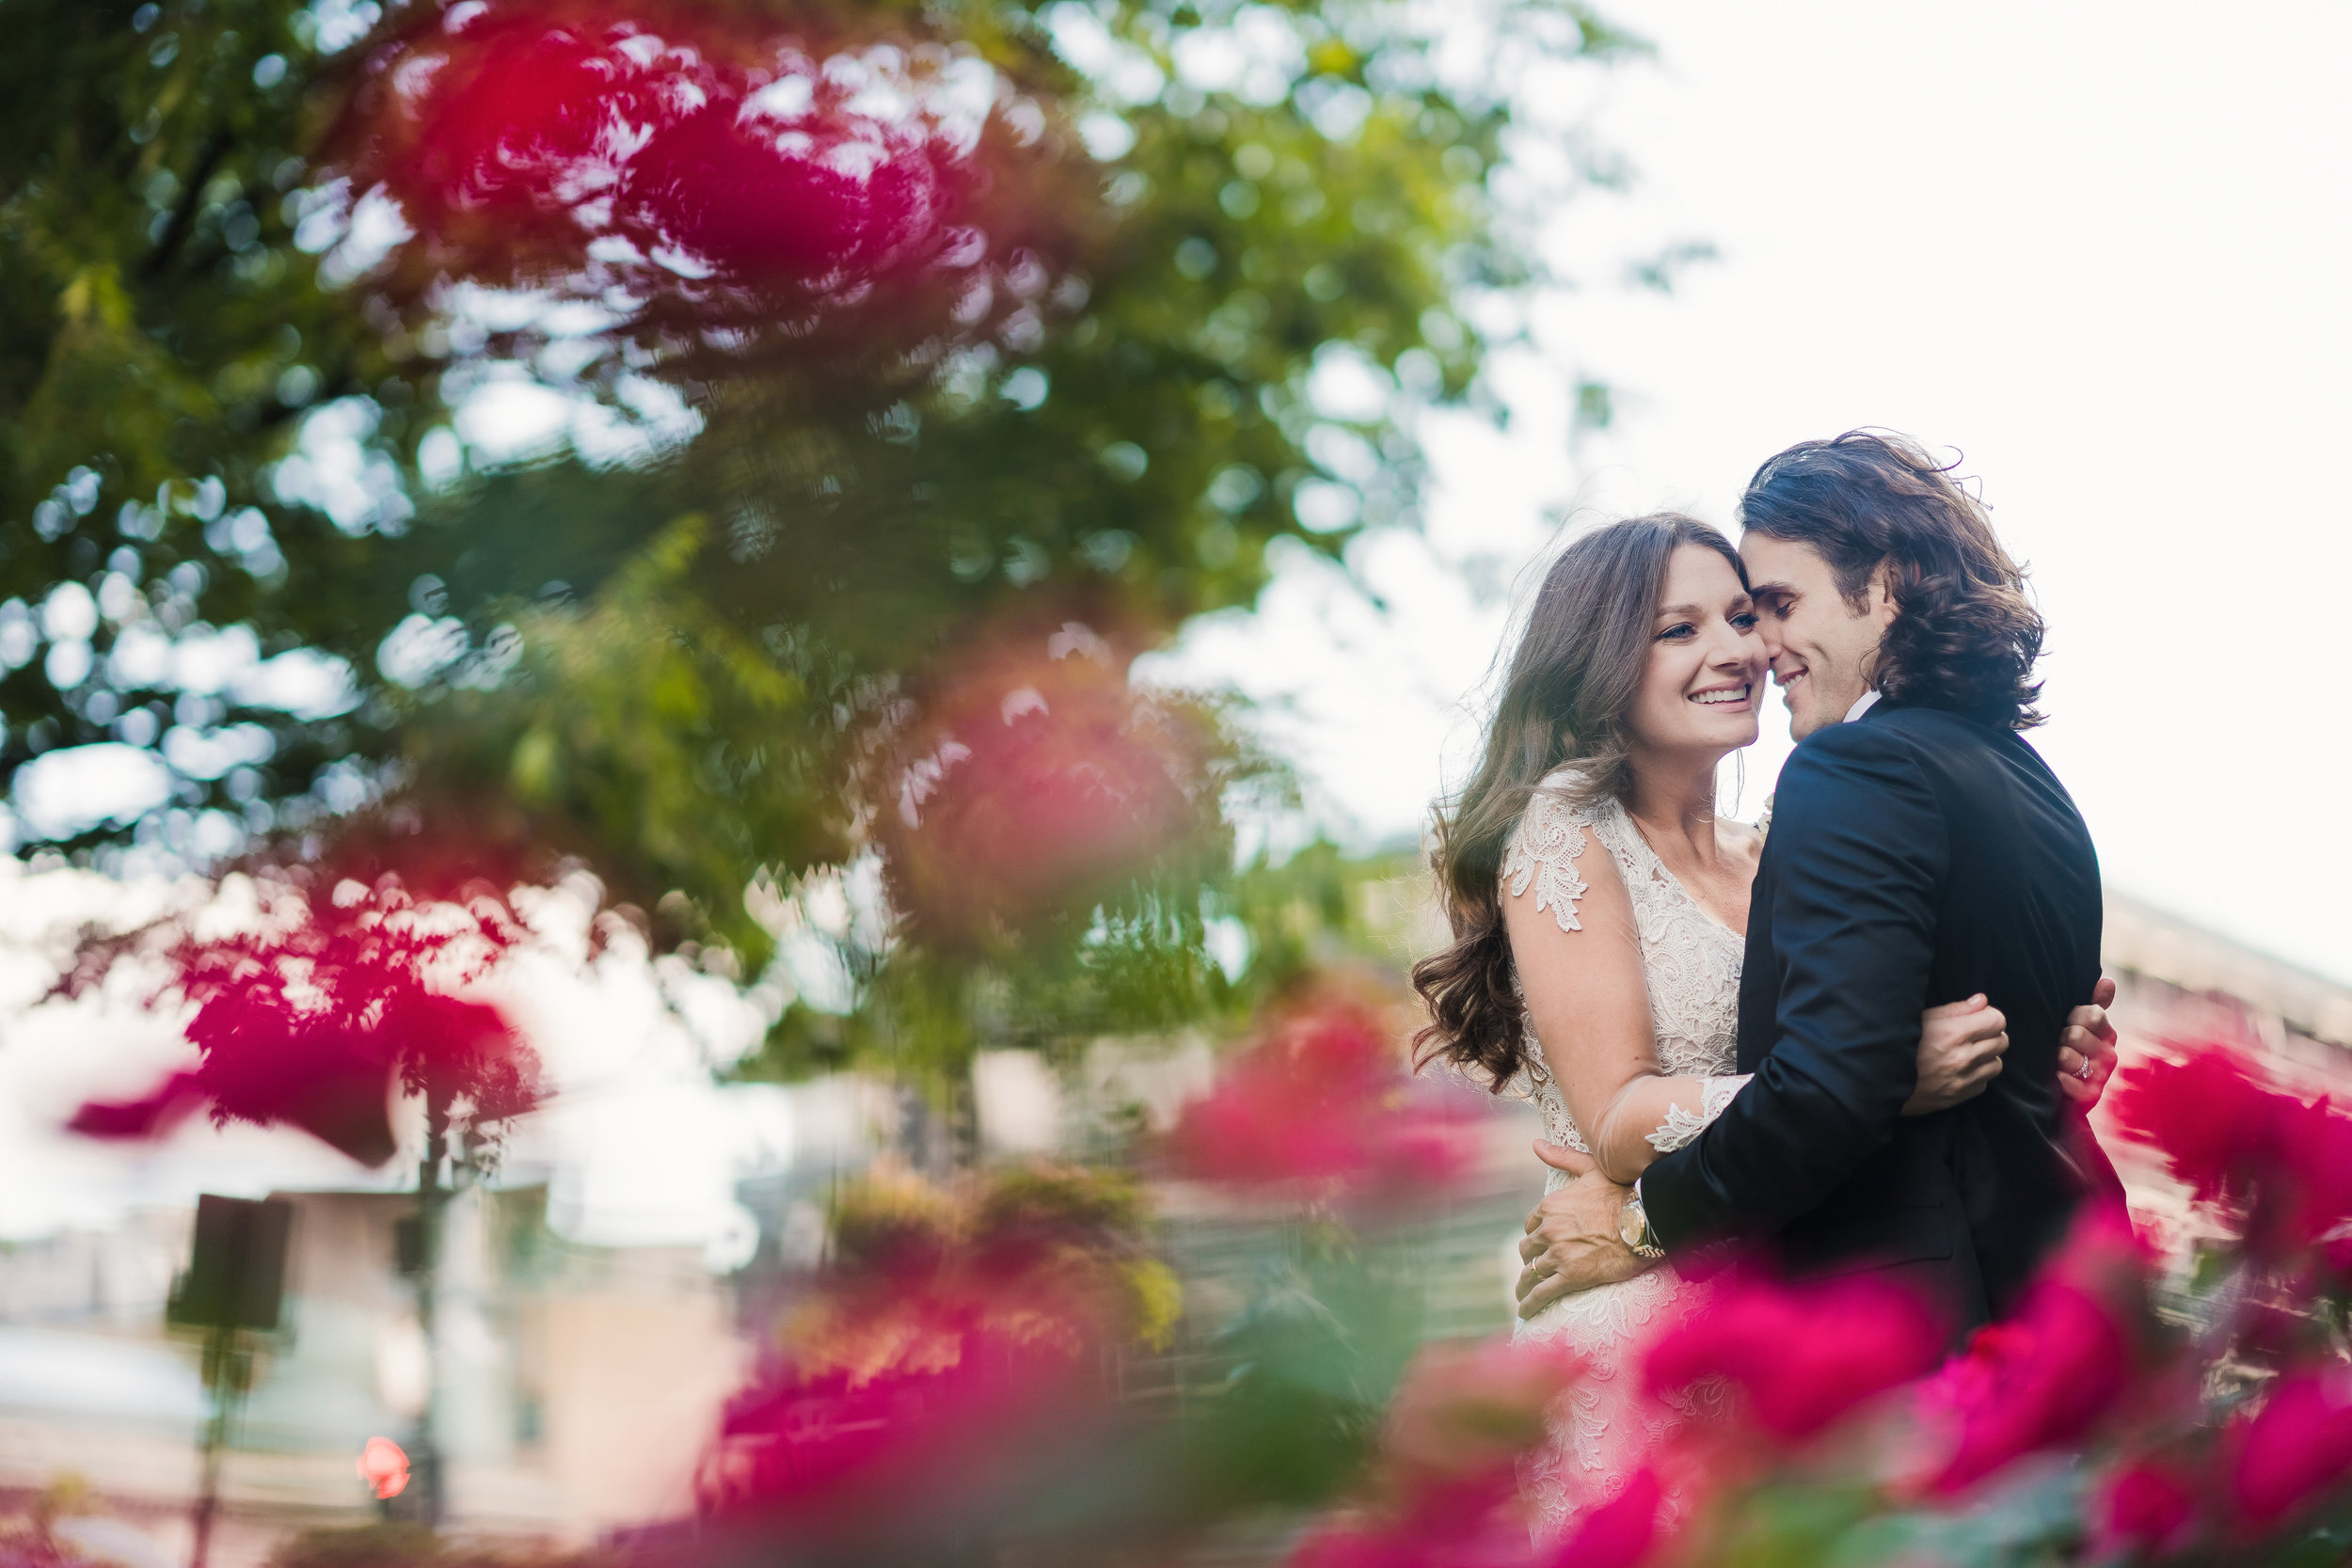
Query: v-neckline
1658	863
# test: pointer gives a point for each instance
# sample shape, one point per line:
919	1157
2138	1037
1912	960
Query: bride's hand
1960	1054
2086	1056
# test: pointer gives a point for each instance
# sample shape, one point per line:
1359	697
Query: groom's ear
1878	601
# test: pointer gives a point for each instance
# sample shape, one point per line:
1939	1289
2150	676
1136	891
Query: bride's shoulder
1568	791
1561	817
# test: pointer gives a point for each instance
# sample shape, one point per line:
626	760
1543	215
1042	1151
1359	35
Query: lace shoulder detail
1543	849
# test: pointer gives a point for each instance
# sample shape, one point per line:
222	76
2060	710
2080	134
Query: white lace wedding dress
1691	962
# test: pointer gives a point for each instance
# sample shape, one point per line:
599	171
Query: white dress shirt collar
1862	706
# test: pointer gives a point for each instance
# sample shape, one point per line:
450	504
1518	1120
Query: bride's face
1705	674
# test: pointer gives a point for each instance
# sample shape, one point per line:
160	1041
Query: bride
1604	986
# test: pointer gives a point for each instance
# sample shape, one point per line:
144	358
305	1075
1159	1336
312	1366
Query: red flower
515	118
1620	1532
2315	1147
1803	1355
1037	781
2039	1378
2214	1122
2147	1505
962	1401
1323	1102
310	1027
2235	1139
757	198
687	145
2296	1447
955	1351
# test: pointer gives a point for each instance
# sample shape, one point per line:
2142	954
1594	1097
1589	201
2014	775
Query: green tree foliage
227	377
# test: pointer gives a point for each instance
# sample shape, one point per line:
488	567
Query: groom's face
1820	646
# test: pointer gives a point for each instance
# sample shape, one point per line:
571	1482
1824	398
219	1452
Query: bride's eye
1746	620
1677	632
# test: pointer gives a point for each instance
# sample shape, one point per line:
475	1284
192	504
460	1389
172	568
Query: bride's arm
1586	998
1587	995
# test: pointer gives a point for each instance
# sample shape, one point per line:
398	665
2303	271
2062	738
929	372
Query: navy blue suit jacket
1915	857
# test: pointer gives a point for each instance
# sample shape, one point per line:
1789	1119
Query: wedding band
2083	1072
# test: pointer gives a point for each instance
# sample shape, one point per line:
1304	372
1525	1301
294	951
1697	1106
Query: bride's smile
1704	668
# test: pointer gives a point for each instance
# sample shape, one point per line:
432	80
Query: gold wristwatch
1635	1232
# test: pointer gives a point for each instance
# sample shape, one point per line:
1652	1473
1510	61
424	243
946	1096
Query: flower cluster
1832	1425
689	155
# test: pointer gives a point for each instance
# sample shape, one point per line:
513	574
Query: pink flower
517	136
962	1409
2147	1505
1803	1355
2039	1378
2296	1447
1619	1533
2214	1120
1034	782
312	1025
2315	1147
1322	1102
2234	1139
384	1466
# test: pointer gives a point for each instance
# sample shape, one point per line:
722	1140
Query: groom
1920	851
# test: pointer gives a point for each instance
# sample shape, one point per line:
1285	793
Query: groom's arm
1859	850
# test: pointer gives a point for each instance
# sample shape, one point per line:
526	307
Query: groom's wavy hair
1967	638
1565	697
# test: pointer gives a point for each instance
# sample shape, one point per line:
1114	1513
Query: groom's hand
1572	1242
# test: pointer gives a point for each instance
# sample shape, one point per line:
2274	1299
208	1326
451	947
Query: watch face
1631	1222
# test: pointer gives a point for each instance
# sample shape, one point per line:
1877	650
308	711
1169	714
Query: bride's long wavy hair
1564	698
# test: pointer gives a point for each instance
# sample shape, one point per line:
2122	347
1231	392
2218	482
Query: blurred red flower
1801	1355
2060	1361
957	1350
384	1466
1619	1533
2146	1505
957	1410
1322	1102
2209	1114
683	143
1036	780
2237	1140
2039	1378
310	1024
2295	1447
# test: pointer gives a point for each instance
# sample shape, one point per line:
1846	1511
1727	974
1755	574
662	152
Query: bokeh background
939	657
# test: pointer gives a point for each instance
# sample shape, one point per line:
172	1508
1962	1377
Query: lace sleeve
1681	1126
1541	851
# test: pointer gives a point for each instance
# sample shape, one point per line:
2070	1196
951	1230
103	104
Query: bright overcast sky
2098	247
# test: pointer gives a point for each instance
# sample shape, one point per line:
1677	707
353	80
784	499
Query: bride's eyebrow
1677	611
